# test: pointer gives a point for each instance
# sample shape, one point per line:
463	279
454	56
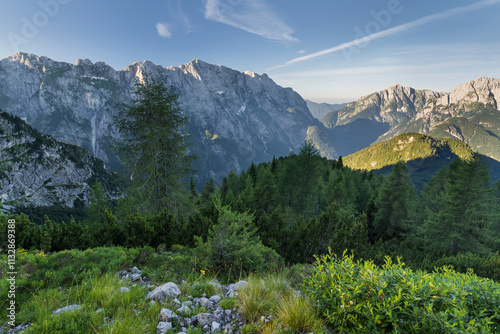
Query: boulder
163	327
168	290
166	315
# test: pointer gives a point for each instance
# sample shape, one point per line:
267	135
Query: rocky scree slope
234	118
36	169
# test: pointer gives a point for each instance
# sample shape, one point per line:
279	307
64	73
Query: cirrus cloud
251	16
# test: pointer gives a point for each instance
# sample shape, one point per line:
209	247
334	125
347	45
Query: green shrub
363	298
233	248
488	267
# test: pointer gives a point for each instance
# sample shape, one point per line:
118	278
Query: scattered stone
166	315
215	326
135	271
14	330
205	319
187	303
163	327
215	299
168	290
124	289
233	288
184	310
135	277
203	302
66	309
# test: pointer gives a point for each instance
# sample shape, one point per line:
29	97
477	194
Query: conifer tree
393	204
153	146
466	211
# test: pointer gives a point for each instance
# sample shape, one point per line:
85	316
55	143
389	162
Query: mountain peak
29	59
395	86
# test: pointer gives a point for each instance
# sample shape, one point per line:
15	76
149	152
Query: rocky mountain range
234	118
469	113
36	169
319	110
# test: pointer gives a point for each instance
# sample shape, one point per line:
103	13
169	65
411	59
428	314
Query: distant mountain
469	113
234	118
39	170
318	110
423	154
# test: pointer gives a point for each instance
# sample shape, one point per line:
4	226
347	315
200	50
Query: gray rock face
168	290
468	113
39	170
393	106
234	118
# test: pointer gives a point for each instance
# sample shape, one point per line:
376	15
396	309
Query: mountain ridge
250	117
424	155
38	170
397	110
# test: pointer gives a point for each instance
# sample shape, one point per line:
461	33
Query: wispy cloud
163	30
363	71
178	16
393	31
252	16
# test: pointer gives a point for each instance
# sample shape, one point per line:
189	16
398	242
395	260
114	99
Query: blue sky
327	50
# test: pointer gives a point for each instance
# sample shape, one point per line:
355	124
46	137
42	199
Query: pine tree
465	212
153	146
232	243
192	188
97	204
394	203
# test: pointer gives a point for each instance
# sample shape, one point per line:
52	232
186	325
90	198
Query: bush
233	248
363	298
488	267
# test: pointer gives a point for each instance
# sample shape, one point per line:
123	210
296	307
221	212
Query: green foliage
58	214
359	297
484	266
154	147
228	303
459	218
394	204
232	244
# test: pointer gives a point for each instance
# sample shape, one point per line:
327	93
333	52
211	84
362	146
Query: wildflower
351	302
341	306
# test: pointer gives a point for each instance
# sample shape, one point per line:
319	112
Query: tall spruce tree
466	211
393	205
153	146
